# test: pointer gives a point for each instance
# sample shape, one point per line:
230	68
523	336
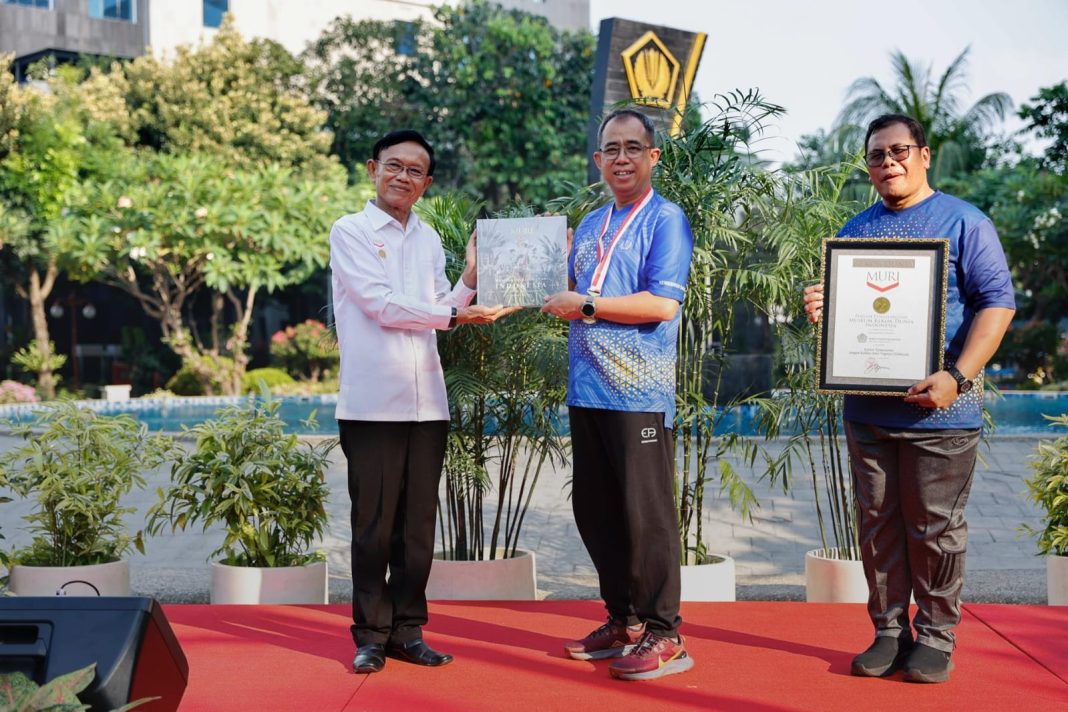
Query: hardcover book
521	260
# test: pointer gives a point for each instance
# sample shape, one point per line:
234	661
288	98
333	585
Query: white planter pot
712	580
111	579
1057	580
500	579
834	580
282	584
117	392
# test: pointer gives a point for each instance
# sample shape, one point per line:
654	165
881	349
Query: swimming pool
1015	412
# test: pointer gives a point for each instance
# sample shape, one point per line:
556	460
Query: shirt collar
380	218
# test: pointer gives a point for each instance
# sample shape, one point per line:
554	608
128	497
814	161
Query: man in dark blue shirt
913	458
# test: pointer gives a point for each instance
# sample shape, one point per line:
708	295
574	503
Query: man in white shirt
390	296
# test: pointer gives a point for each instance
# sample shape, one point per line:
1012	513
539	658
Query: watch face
588	309
964	387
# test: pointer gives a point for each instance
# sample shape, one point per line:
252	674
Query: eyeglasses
633	150
394	168
899	153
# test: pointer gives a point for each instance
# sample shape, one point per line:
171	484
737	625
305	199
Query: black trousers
394	469
623	497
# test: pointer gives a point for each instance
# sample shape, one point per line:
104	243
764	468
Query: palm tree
957	138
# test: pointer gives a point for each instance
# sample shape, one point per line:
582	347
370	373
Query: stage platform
759	657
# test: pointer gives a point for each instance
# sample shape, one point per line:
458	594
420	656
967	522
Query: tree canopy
501	94
957	136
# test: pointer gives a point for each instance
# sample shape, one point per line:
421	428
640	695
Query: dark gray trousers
394	469
911	488
622	493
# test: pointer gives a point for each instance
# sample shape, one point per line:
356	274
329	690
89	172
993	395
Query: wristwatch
589	310
452	318
964	384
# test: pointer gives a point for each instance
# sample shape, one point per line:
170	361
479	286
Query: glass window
214	11
45	4
406	41
114	9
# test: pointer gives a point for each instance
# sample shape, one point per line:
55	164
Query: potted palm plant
506	384
806	429
710	170
803	428
1048	488
77	466
267	490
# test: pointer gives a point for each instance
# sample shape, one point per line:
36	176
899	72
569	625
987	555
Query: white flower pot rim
111	578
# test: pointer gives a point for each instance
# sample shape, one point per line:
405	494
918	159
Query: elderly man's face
899	182
396	188
627	176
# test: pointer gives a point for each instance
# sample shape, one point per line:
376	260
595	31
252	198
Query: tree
501	94
211	189
1047	116
957	138
841	146
365	75
42	147
243	101
164	226
516	97
1027	204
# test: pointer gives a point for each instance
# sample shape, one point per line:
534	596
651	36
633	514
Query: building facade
66	29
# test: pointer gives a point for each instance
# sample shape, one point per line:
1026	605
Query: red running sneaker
651	658
609	641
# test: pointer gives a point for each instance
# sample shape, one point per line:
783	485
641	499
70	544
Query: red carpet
764	657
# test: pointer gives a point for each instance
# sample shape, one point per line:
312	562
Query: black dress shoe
369	658
418	653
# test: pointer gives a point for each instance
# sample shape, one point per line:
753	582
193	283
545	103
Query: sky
804	54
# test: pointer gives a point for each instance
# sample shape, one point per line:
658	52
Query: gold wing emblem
652	73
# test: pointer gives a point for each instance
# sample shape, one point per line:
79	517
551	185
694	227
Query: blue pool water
1015	413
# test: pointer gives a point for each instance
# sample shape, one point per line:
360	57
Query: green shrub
265	487
77	465
187	382
1048	488
272	377
307	350
15	392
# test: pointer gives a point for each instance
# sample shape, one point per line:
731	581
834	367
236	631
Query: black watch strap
964	384
452	320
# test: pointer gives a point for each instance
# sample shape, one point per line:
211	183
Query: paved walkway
768	550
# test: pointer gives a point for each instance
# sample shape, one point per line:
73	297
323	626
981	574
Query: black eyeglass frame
612	153
872	162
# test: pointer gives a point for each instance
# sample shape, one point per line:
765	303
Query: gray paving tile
768	547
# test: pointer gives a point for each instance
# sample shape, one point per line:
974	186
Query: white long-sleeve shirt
390	295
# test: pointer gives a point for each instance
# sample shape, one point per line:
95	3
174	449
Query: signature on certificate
873	366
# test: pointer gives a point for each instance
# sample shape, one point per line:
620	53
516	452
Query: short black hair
403	136
881	122
647	123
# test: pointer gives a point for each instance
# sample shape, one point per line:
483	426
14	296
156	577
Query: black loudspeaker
129	639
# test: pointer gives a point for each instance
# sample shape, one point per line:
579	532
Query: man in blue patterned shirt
913	458
628	266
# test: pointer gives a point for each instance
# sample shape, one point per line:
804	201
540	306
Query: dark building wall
67	26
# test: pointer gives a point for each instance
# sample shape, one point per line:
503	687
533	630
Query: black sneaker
927	664
882	657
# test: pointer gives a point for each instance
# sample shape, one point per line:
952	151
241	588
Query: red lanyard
604	256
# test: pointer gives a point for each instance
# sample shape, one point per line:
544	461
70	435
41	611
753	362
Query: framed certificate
521	260
884	313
